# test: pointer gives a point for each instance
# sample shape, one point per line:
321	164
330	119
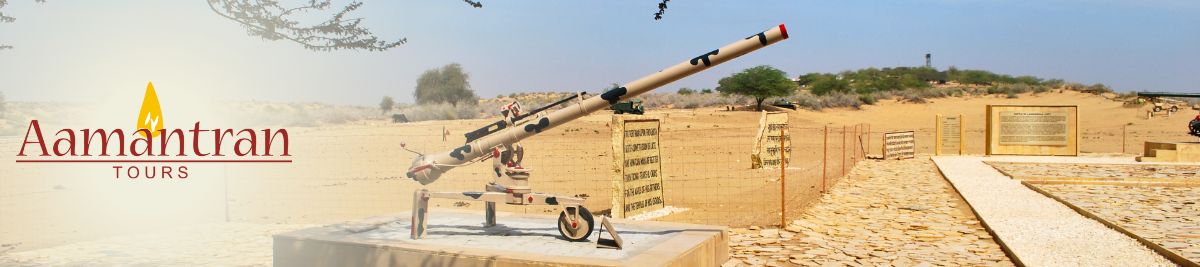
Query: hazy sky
79	50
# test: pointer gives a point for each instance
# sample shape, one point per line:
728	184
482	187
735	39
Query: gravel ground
221	244
899	213
1167	216
1064	170
1039	230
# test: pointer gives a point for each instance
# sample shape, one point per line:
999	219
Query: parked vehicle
629	107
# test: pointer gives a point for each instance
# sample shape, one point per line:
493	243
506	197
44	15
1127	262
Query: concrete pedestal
1171	152
459	238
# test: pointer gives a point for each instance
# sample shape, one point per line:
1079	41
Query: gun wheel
575	228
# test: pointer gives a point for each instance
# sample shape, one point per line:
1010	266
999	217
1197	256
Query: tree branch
270	21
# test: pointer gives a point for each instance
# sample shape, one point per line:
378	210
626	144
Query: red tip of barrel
783	30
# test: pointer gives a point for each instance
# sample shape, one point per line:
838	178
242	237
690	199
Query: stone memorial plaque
637	164
1041	130
772	146
899	145
949	135
1033	128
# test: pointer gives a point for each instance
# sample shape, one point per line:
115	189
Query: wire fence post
1123	138
825	159
843	150
854	147
868	140
782	178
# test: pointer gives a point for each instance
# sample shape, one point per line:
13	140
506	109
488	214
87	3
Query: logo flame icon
151	116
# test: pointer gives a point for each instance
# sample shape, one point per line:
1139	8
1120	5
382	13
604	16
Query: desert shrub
912	97
1040	89
1098	88
868	99
685	91
675	100
843	100
1010	89
706	91
1075	87
1053	83
1011	95
1028	80
446	111
810	101
806	100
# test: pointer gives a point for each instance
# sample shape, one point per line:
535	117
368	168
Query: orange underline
155	161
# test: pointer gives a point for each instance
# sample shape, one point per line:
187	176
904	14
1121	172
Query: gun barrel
501	124
428	168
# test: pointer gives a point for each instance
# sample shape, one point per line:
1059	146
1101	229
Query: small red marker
783	30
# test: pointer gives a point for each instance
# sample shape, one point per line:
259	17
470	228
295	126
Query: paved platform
1037	230
457	238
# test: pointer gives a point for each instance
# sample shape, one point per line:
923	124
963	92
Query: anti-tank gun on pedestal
499	141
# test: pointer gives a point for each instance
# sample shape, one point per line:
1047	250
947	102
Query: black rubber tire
1157	109
587	219
1174	109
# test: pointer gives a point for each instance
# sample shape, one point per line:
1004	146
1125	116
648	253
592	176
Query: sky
72	50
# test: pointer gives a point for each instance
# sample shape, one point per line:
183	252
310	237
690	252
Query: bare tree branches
662	9
9	19
269	20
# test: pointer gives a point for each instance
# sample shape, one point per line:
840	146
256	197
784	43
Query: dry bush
675	100
443	111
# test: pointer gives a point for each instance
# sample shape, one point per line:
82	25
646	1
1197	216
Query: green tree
686	91
758	82
706	91
829	84
977	77
387	104
448	84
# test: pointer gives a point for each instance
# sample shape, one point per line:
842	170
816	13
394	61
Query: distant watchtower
928	60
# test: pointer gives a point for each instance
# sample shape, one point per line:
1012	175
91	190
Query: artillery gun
500	142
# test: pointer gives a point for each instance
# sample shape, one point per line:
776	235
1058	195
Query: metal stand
575	222
606	227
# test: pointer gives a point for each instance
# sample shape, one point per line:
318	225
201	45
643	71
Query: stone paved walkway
886	213
1039	230
1167	216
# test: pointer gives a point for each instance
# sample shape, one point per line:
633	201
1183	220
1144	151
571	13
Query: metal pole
854	146
782	179
824	159
868	140
843	150
1123	138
